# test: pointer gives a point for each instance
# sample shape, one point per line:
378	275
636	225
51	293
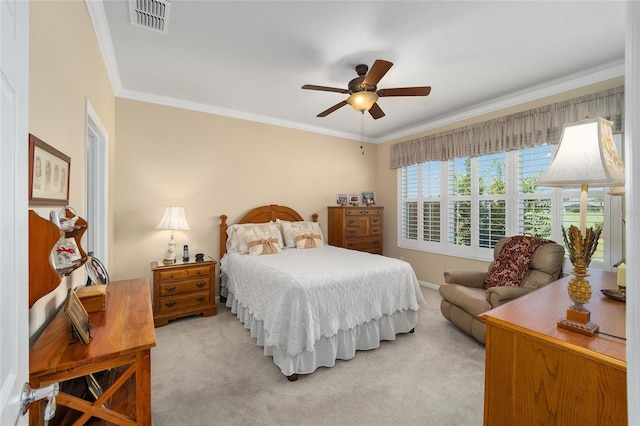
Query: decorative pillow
290	228
512	264
306	240
267	245
250	232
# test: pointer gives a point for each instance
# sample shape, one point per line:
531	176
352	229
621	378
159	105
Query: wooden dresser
120	350
182	289
537	373
357	228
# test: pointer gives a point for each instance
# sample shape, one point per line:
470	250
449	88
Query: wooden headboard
261	214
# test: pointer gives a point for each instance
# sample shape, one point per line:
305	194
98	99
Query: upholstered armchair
514	272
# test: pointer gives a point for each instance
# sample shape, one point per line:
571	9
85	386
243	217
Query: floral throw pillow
512	264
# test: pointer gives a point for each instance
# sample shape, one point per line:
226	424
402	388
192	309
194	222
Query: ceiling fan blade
333	108
376	112
325	88
377	71
405	91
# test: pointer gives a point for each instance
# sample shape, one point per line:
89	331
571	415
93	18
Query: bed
310	304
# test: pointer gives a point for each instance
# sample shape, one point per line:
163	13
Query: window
463	206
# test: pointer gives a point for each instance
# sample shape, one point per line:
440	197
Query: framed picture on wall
48	174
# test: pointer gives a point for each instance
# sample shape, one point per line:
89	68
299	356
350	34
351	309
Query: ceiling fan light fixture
362	101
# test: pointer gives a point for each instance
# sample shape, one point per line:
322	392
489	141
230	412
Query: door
14	263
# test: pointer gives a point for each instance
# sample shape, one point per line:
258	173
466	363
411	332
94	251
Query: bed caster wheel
293	377
413	330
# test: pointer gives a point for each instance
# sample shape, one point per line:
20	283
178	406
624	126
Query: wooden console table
537	373
122	338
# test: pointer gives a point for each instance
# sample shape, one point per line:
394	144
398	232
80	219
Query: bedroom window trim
560	201
509	135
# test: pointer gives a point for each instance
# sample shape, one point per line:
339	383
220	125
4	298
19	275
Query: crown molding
101	27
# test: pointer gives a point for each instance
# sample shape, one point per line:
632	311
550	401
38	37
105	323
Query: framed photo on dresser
78	316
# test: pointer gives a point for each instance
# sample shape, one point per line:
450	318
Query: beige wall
66	67
213	165
430	267
209	164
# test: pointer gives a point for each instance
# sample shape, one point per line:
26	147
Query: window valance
520	130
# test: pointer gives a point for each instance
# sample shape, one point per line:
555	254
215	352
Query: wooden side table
537	373
183	289
122	338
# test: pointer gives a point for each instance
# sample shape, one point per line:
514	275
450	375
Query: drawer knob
200	285
170	289
200	299
169	304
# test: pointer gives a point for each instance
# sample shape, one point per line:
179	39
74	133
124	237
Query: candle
622	275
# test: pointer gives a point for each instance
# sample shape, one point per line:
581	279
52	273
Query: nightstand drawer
177	303
172	275
171	289
199	271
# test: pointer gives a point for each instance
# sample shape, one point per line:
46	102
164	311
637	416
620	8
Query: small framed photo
369	198
78	317
48	174
342	199
96	272
354	199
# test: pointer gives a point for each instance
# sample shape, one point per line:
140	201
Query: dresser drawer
172	275
351	221
187	286
371	212
354	212
363	244
177	303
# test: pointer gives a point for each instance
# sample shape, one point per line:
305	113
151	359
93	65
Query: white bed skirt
342	345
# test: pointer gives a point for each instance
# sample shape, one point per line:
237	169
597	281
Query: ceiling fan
363	90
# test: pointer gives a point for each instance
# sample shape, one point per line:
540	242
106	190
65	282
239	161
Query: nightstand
183	289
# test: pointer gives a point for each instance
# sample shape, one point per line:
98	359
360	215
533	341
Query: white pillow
266	245
246	232
290	228
306	240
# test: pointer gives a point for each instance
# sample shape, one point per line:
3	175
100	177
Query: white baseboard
428	285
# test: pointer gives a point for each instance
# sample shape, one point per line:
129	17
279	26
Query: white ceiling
249	59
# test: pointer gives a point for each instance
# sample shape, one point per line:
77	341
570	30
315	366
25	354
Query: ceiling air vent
150	14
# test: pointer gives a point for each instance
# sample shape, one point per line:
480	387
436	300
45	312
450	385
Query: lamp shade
586	156
362	101
173	219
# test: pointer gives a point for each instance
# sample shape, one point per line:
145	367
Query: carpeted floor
208	371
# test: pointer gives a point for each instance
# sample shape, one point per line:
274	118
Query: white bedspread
303	295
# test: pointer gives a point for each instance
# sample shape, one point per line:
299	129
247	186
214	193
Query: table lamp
586	156
173	219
